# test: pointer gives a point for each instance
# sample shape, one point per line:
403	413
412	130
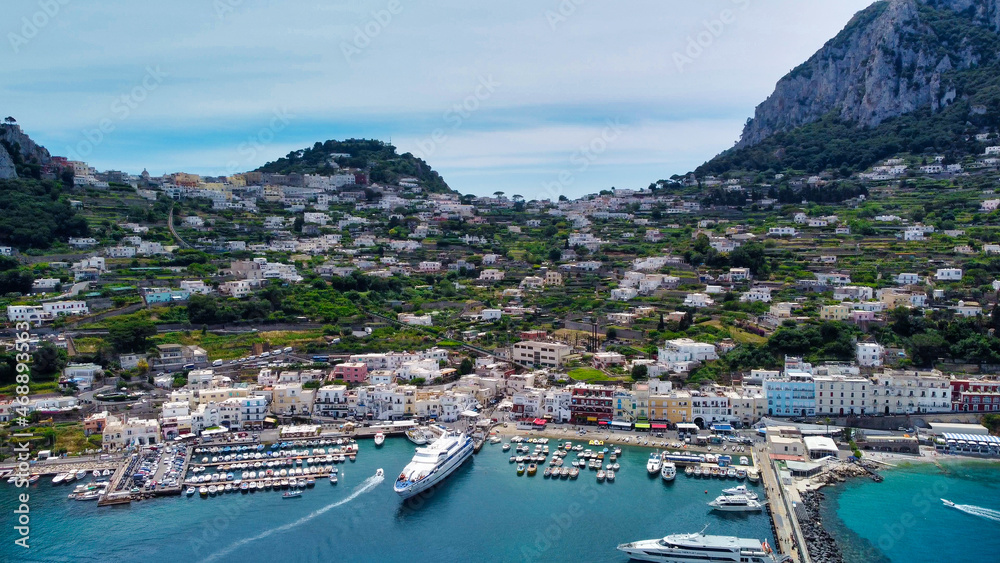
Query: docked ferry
431	464
692	548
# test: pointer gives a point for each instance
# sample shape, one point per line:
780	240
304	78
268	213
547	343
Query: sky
534	97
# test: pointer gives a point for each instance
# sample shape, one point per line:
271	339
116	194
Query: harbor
587	519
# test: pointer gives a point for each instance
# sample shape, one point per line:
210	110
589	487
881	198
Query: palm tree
9	120
517	197
498	194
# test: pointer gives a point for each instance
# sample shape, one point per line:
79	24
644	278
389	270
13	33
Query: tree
298	223
555	255
660	325
640	372
498	194
465	367
131	335
611	333
48	359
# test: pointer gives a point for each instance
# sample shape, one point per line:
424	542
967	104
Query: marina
602	515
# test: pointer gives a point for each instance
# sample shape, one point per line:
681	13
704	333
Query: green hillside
380	159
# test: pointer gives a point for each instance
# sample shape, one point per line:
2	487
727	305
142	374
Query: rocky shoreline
821	545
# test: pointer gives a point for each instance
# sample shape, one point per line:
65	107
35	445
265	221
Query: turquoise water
903	519
483	512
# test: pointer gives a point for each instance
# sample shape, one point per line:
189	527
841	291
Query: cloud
229	69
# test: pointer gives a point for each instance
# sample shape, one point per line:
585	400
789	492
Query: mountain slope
893	58
380	159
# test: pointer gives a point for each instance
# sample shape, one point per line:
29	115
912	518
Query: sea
903	520
482	512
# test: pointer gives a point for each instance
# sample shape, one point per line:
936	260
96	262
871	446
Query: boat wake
367	485
979	511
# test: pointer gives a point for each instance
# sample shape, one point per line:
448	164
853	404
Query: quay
784	523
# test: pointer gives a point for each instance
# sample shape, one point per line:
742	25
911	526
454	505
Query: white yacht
669	471
431	464
697	548
379	438
740	490
418	436
654	463
735	503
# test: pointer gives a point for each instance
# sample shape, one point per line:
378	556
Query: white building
948	274
686	350
870	354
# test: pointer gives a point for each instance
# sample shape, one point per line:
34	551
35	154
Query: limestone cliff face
18	140
894	57
7	170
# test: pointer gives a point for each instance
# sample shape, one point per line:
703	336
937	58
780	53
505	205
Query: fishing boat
379	439
753	475
203	491
532	469
333	478
654	463
520	469
244	487
689	471
668	472
563	473
610	476
505	447
574	473
601	475
190	491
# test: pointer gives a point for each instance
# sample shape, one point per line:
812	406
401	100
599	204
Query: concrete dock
778	506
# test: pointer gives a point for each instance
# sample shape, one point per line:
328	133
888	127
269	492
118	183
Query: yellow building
273	193
893	299
674	407
835	312
186	180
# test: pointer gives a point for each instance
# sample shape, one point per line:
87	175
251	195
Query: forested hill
378	158
36	213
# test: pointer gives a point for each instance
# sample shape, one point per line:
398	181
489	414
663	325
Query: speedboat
57	479
291	494
948	503
740	490
379	439
735	503
190	491
654	463
379	472
432	464
668	472
683	548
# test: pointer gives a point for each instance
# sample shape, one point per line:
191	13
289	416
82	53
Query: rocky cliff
892	58
7	168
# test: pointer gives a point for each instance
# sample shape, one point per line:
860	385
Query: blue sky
538	97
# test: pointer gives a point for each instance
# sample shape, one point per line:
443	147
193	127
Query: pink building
862	316
351	372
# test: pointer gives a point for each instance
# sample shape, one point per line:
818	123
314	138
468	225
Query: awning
621	424
591	419
642	425
659	426
539	422
603	423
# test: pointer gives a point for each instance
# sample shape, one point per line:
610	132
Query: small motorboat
506	447
601	475
610	476
379	472
520	469
740	490
203	491
190	491
532	469
948	503
294	493
379	439
333	478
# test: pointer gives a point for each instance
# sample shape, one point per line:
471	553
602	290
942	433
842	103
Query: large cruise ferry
431	464
698	548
